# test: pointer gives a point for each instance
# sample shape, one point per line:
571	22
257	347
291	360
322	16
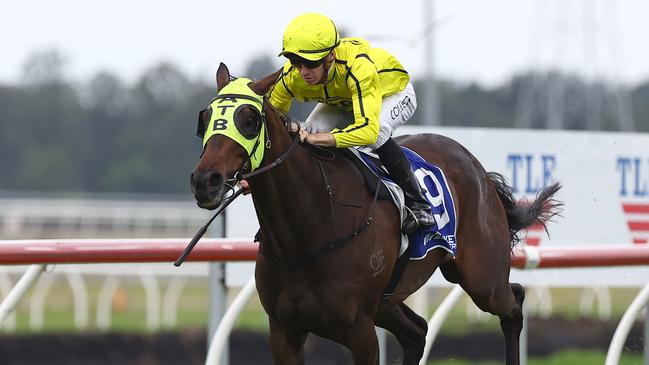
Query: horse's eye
247	120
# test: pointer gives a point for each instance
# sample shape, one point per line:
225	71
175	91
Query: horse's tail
521	215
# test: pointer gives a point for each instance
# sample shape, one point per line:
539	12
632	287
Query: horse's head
233	131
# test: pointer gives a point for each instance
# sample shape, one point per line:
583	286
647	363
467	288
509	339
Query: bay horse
329	248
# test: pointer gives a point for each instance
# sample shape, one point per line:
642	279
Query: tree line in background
106	136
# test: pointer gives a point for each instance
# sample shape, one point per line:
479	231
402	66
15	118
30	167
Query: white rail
14	296
438	318
623	328
220	339
41	253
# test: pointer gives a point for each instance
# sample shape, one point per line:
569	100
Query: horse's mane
291	125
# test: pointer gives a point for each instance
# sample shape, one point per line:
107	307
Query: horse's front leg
287	346
362	342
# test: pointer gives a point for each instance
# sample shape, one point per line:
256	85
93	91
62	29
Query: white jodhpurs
396	109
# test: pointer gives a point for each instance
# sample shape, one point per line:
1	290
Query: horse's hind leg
287	347
512	325
409	329
506	301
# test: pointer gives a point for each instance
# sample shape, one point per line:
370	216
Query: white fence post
19	291
6	285
382	338
438	318
646	336
152	292
170	300
623	328
105	301
219	342
217	288
218	296
588	298
80	298
523	338
37	302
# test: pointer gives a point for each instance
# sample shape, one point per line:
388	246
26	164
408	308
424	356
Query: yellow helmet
311	36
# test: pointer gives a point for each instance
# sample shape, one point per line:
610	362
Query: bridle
288	124
246	171
240	175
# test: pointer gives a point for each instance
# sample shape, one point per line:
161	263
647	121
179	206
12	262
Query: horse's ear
261	87
222	76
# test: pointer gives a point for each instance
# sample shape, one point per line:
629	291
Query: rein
203	229
283	157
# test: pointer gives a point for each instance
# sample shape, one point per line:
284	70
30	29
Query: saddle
416	245
437	193
372	180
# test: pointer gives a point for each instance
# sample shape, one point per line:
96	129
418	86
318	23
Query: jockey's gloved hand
245	186
303	134
295	127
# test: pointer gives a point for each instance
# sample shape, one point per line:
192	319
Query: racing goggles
298	62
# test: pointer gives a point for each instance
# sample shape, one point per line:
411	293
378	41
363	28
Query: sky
473	40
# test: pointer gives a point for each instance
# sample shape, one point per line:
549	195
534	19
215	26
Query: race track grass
129	308
561	358
129	315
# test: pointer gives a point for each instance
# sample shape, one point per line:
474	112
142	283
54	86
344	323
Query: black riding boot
397	164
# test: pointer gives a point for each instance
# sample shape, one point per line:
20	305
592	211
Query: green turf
130	315
571	357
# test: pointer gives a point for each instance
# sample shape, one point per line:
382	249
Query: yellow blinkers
222	113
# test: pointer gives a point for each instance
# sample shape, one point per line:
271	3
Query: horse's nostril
206	185
214	179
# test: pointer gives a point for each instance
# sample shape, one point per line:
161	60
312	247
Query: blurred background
98	106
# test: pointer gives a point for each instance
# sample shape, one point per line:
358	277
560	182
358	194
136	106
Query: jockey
364	94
